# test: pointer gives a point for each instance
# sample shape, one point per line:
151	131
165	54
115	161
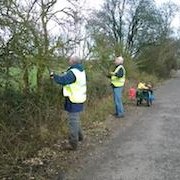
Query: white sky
175	22
96	4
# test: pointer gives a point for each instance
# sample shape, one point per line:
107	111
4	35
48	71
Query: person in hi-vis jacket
74	91
117	83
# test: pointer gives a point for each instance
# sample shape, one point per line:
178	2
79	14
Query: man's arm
68	78
120	73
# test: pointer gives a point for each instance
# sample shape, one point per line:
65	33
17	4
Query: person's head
119	60
74	60
149	85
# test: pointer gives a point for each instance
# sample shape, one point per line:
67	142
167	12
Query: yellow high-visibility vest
77	90
118	81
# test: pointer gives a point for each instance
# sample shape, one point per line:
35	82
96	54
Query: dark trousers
75	128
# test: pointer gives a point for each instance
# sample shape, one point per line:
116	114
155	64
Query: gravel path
145	145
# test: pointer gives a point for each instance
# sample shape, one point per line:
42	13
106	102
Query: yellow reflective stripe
77	90
116	81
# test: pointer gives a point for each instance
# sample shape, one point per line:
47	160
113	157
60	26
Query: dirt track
145	144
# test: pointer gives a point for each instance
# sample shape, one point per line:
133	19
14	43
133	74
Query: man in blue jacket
74	91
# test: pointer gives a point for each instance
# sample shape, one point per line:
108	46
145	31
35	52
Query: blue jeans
75	128
117	93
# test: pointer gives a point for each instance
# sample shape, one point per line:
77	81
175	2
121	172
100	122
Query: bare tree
31	40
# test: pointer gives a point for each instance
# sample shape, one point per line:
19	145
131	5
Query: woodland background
38	35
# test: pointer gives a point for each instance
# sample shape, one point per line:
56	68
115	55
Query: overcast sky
97	3
175	23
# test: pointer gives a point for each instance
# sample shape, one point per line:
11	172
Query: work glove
51	75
